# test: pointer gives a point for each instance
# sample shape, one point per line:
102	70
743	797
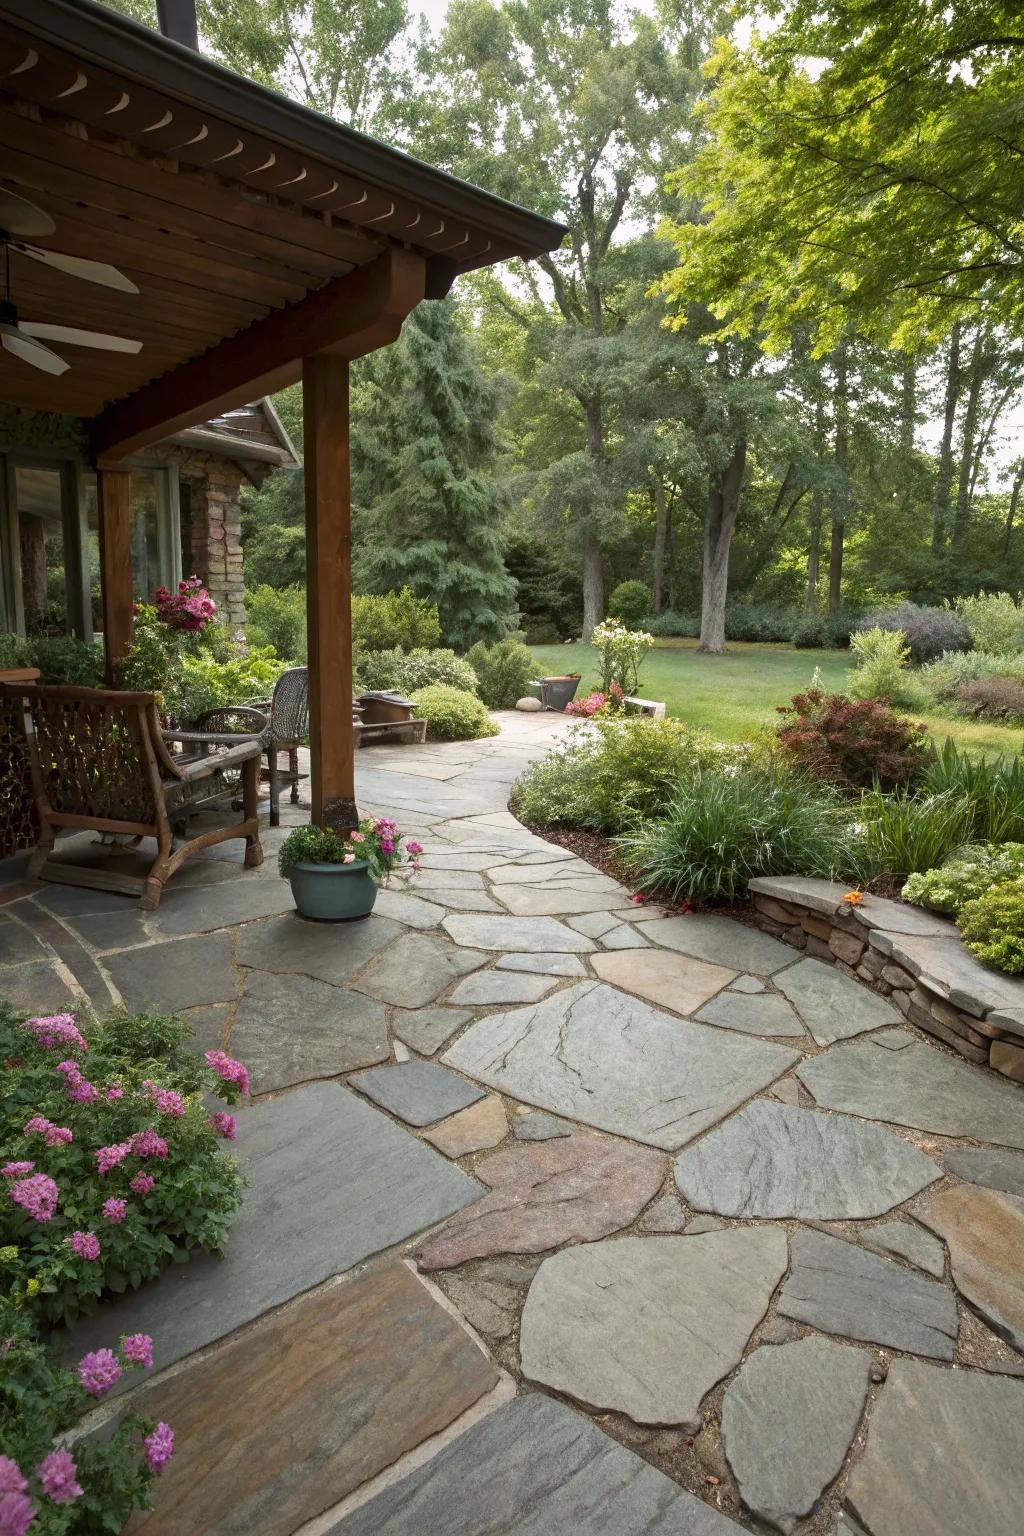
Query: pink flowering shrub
111	1165
49	1489
598	703
376	842
190	608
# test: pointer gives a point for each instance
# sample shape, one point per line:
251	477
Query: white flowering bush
622	654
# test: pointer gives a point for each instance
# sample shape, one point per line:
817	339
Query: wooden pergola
267	244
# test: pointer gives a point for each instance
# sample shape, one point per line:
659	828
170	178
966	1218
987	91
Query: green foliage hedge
992	926
277	617
452	714
409	671
60	658
630	603
503	672
394	621
963	879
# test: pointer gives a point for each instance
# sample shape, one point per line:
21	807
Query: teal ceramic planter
333	893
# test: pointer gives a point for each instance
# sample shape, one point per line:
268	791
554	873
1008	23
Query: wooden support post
114	508
329	590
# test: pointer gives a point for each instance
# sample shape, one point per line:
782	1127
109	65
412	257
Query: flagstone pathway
564	1215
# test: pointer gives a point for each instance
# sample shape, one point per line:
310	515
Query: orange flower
854	897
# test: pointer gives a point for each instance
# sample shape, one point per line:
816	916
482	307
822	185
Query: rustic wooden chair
280	726
101	763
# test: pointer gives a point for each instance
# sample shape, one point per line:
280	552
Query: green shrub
277	617
60	658
994	786
964	879
203	683
880	670
452	714
927	632
601	778
992	927
394	621
410	671
949	672
995	621
906	833
851	742
822	631
670	625
992	698
503	672
540	631
629	603
723	827
130	1108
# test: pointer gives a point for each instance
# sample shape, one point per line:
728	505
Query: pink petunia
225	1125
57	1473
98	1371
137	1348
115	1210
159	1446
142	1184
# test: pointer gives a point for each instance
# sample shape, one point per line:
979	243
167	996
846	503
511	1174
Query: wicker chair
280	727
100	763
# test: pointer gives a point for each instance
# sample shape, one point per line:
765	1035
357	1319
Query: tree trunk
593	584
660	540
840	505
724	495
975	376
944	478
908	407
1018	483
816	516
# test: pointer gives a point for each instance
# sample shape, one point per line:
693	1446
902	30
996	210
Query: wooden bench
100	763
648	707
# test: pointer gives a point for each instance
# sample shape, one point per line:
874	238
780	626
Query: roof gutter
115	42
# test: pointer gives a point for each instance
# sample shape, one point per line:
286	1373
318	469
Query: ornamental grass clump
111	1166
906	833
724	826
995	788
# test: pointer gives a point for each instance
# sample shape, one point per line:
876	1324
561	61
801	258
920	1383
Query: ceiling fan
21	222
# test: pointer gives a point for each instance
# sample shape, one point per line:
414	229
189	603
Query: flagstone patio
563	1215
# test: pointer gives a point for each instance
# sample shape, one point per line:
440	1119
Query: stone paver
543	964
774	1160
309	1403
647	1325
612	1061
917	1087
295	947
185	973
671	981
992	1167
18	944
984	1231
942	1455
507	933
413	911
331	1182
748	984
707	936
625	937
535	1468
502	987
37	988
555	899
291	1029
535	1125
595	924
788	1420
764	1013
482	1125
831	1005
416	970
202	911
418	1092
576	1188
663	1215
427	1029
840	1288
906	1241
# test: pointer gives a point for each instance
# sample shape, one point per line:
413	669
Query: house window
41	587
155	535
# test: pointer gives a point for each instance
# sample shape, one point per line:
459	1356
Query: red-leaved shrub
852	742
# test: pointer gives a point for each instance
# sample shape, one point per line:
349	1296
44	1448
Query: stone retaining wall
913	957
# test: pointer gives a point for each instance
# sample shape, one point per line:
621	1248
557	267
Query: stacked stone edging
914	958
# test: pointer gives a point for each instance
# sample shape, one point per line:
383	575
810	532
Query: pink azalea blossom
85	1244
138	1349
159	1446
57	1029
142	1184
98	1371
225	1125
115	1210
57	1473
37	1195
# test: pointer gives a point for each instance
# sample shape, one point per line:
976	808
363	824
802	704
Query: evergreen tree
427	473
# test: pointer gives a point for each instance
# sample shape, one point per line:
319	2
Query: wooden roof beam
349	316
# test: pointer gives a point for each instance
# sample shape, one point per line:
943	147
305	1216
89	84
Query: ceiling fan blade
32	352
77	266
23	219
76	338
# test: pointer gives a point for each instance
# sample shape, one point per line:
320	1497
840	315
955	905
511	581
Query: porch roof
256	230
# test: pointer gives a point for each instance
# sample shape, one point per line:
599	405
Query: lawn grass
732	695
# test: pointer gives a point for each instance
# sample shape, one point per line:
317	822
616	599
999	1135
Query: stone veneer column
217	538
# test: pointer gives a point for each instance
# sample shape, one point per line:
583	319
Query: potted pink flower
334	876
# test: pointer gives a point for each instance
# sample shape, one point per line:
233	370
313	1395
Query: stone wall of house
213	546
913	957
